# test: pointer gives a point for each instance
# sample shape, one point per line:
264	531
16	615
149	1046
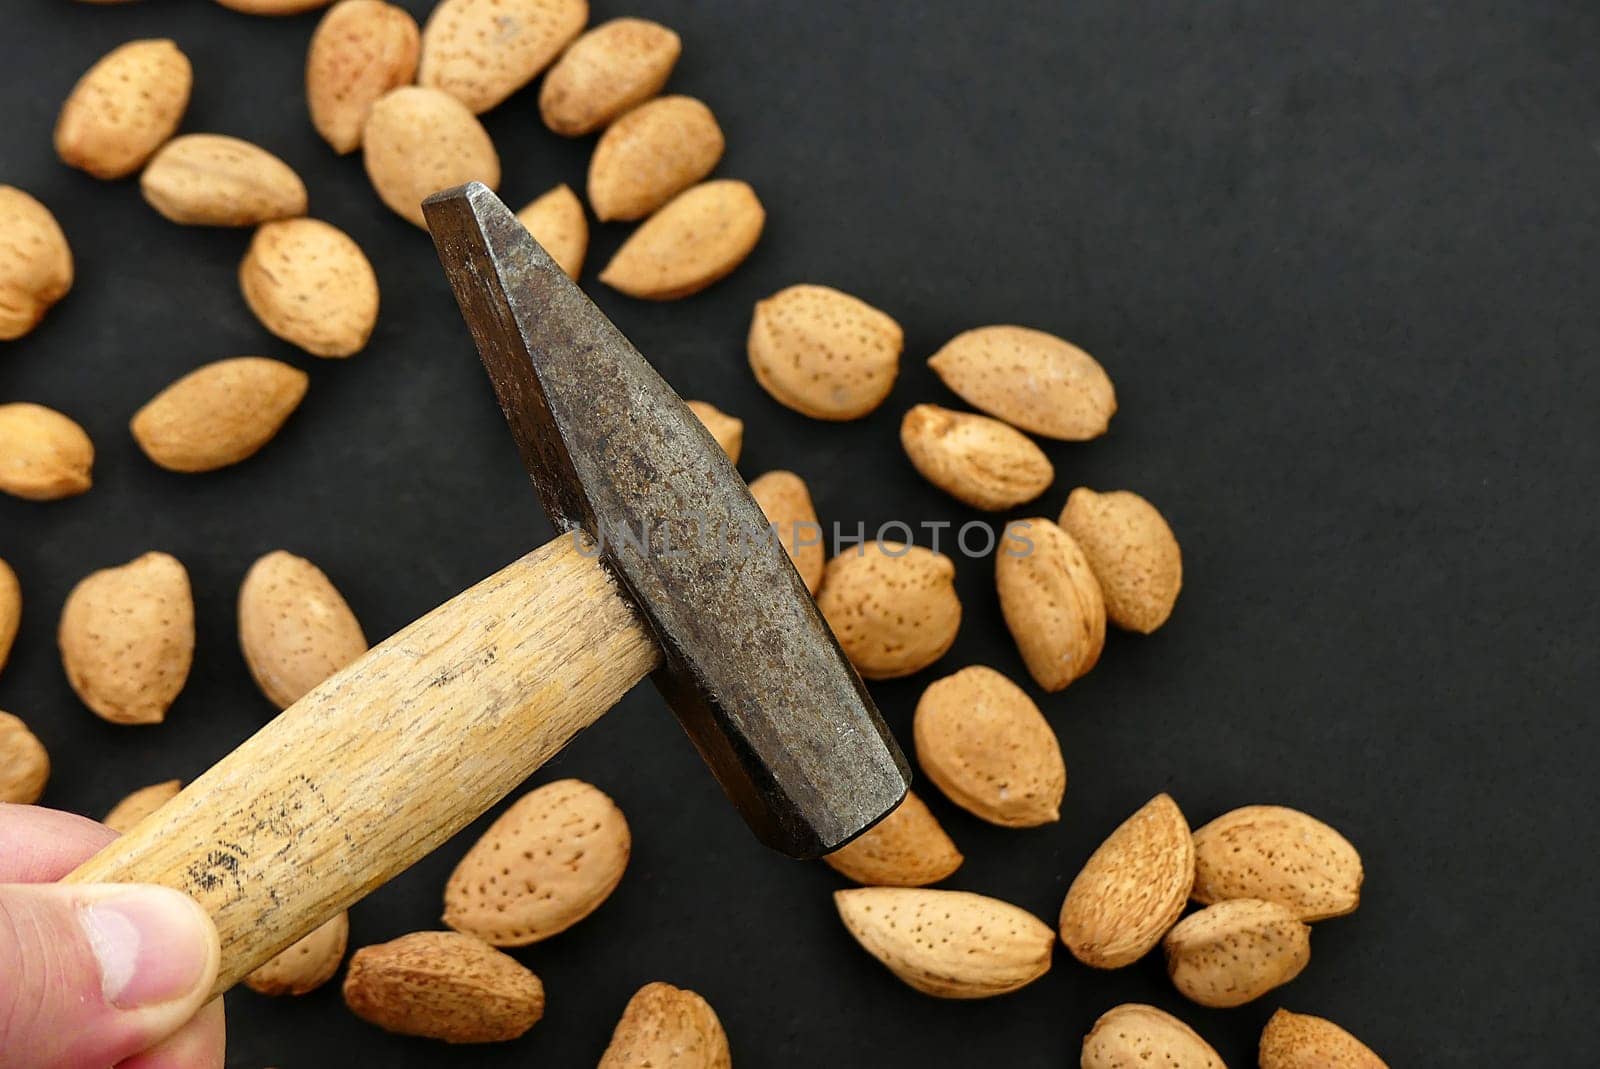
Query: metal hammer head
750	668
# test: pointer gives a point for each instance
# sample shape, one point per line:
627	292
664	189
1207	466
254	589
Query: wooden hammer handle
387	759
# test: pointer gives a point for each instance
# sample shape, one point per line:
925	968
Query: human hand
97	975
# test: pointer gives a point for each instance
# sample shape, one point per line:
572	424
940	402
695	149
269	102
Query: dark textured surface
1339	260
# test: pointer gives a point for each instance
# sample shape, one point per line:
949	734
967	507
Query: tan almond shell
295	628
986	745
443	985
216	180
35	262
727	430
360	51
1281	855
650	155
418	141
696	239
892	607
1132	889
140	804
1030	379
666	1027
127	639
305	965
786	502
985	463
907	848
824	353
482	51
949	944
219	414
1051	602
24	763
1132	553
10	610
1236	951
44	455
557	222
273	7
1135	1036
1301	1041
547	863
615	66
310	284
124	108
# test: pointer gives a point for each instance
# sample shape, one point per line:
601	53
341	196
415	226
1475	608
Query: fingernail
152	945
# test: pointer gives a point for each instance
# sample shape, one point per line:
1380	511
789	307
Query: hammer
662	565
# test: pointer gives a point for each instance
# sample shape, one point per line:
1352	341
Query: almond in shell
306	964
310	284
666	1027
1132	889
1030	379
1132	553
698	238
124	108
127	639
1051	602
1301	1041
24	764
443	985
1236	951
727	430
786	502
893	607
557	222
482	51
294	627
219	414
215	180
273	7
949	944
418	141
981	461
608	70
907	848
360	51
35	262
140	804
1280	855
10	610
1135	1036
652	154
547	863
824	353
43	454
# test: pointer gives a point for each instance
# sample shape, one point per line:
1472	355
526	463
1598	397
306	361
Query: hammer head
752	671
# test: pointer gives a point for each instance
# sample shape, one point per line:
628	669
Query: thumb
93	974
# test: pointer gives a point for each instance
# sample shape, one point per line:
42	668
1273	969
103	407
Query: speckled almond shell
43	454
824	353
1134	1036
786	502
140	804
557	222
127	639
10	610
1132	889
892	607
1030	379
1281	855
698	238
652	154
482	51
124	108
949	944
727	430
35	262
24	764
310	284
305	965
1300	1041
418	141
295	628
361	50
608	70
666	1027
443	985
1132	553
1236	951
547	863
987	464
1051	602
907	848
273	7
986	745
215	180
218	414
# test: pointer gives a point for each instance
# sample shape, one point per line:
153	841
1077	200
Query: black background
1339	259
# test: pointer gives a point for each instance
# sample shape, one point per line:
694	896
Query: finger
43	845
93	974
197	1045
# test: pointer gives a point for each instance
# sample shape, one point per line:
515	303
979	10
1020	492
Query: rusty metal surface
751	669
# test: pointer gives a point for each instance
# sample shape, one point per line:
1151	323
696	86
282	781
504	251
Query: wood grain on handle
386	760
